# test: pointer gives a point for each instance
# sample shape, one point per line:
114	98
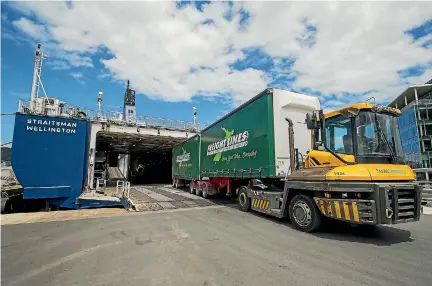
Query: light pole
99	104
195	117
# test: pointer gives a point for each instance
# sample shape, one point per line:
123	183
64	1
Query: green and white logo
185	157
232	141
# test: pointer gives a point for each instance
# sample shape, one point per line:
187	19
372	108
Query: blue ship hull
50	157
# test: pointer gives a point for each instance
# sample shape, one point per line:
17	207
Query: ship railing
116	117
146	121
61	109
24	106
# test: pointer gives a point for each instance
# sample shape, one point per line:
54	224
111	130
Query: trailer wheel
205	194
173	184
244	200
303	213
198	190
191	187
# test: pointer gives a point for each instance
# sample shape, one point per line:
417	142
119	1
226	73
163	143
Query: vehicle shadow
378	235
336	230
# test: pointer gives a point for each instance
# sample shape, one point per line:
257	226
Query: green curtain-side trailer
185	159
242	144
252	141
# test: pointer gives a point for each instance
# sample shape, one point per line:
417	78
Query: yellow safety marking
355	212
346	210
337	209
321	203
261	204
329	209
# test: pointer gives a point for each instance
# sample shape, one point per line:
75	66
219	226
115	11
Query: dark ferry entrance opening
139	159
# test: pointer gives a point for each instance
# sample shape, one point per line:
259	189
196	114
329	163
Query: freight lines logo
230	142
51	126
185	157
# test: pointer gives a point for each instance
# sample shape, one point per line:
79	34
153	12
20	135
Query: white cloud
58	65
78	76
37	32
43	34
352	48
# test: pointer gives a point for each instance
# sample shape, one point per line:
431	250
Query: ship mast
36	70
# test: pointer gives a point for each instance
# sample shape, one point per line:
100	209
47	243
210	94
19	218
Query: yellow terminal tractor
354	172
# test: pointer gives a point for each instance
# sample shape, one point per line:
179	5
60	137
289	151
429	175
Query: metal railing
116	117
146	121
423	179
123	189
425	101
100	184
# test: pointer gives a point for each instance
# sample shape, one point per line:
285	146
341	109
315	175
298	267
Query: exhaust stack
291	144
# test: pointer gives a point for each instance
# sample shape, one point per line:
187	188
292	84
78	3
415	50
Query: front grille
403	203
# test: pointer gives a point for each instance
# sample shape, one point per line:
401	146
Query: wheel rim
242	199
302	213
191	187
204	190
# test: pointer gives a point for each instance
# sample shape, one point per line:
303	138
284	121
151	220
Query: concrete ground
160	197
213	245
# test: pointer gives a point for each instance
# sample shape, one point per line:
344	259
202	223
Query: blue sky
212	55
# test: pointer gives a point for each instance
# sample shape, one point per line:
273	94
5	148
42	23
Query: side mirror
311	121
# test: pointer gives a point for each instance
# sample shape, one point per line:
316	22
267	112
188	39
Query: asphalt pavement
215	245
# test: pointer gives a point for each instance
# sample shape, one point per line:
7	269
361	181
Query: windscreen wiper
387	143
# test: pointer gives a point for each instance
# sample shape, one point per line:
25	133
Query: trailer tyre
244	200
303	213
191	187
198	189
205	194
